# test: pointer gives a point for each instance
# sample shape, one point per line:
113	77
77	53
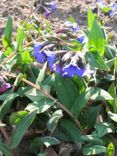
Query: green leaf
21	128
71	19
41	105
96	149
8	30
93	93
112	116
106	9
41	74
92	139
103	129
66	90
18	79
71	130
16	117
4	108
42	154
110	149
100	94
20	39
84	119
108	53
4	149
96	61
79	83
26	57
53	121
115	64
111	90
4	96
96	38
34	94
48	141
38	143
8	51
91	19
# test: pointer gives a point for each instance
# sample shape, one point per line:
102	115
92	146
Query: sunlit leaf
96	38
4	108
66	90
16	117
42	105
8	30
91	18
21	128
20	39
93	93
53	121
26	57
96	61
96	149
103	129
112	116
48	141
110	149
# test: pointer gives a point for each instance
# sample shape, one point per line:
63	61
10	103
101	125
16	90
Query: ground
19	9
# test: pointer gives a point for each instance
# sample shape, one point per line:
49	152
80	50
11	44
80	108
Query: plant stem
52	98
55	101
5	134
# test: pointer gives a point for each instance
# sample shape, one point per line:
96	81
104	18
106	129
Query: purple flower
40	56
53	5
72	69
72	25
81	39
47	13
5	87
113	9
57	68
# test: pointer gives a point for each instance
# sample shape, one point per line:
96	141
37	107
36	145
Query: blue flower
81	39
51	57
57	68
100	2
72	69
38	54
57	63
53	5
113	9
72	25
43	56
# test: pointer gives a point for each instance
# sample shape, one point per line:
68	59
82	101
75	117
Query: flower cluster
72	26
112	7
65	63
52	6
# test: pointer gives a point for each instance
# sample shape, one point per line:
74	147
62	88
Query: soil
20	9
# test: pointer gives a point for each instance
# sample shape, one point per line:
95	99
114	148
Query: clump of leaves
63	88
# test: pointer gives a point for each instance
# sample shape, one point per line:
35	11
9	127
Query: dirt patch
19	10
